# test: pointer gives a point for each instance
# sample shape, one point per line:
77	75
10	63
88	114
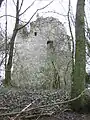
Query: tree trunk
7	80
1	2
78	83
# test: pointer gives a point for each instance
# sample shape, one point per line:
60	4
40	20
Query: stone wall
42	55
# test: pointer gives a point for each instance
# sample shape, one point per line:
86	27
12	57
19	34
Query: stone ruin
42	55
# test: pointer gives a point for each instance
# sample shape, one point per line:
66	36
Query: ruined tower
41	51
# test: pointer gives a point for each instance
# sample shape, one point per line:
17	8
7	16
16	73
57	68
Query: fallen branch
58	103
38	115
3	108
9	114
43	106
23	110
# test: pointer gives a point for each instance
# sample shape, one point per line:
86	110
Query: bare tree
18	6
72	38
9	64
78	83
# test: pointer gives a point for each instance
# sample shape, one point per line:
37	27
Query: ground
14	100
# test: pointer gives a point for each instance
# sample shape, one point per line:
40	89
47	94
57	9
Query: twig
26	8
1	62
55	13
3	108
21	5
10	118
35	14
9	114
24	110
49	105
14	2
12	17
37	115
58	103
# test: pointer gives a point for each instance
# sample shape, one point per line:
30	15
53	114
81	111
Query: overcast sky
59	6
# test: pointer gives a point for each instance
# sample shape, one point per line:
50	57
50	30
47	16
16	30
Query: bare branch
34	14
14	2
70	24
72	38
21	5
12	17
26	8
48	105
55	13
62	102
2	61
87	54
24	110
66	71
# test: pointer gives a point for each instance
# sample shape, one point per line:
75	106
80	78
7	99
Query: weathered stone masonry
42	53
